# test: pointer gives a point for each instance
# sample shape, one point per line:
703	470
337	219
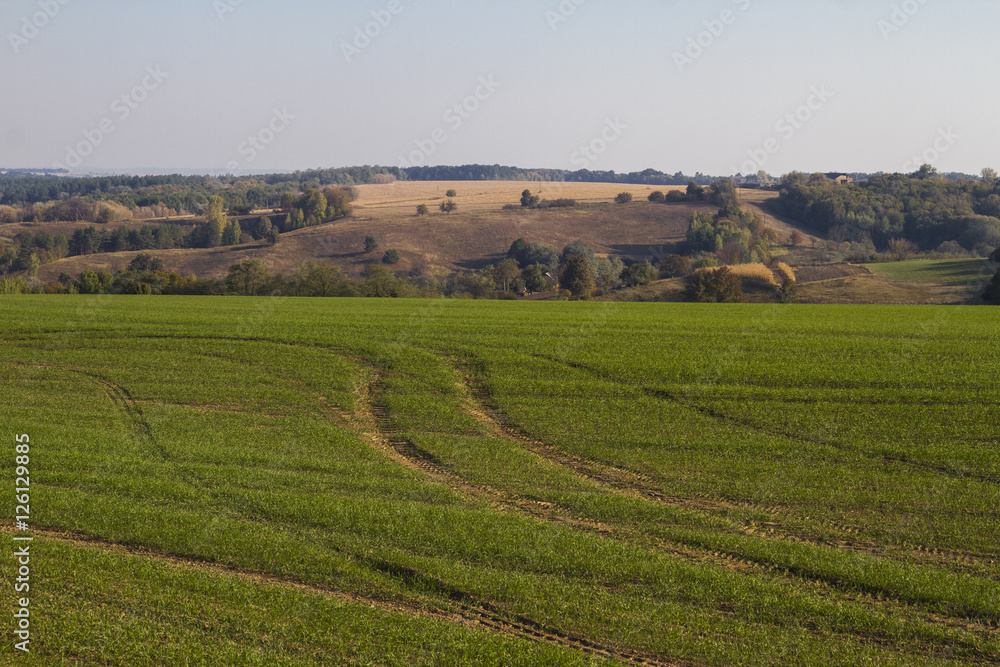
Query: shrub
451	193
423	210
624	198
657	197
714	286
390	257
371	243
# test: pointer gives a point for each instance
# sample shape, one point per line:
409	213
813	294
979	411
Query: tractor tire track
130	407
672	397
469	610
635	484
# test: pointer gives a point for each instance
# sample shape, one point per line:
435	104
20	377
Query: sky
718	87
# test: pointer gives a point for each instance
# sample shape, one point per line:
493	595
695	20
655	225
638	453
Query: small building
840	179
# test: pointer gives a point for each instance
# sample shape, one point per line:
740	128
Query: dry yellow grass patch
757	272
785	271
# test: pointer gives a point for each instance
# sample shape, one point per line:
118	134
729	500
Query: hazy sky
717	86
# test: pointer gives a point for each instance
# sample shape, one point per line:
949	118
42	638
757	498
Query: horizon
724	87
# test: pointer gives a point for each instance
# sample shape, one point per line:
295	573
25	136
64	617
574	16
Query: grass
958	272
507	483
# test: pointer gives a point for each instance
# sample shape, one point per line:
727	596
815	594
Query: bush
390	257
788	292
657	197
557	203
624	198
451	193
675	266
371	243
714	286
676	196
423	210
528	200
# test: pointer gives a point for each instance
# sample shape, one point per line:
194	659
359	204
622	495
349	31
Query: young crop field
343	482
953	272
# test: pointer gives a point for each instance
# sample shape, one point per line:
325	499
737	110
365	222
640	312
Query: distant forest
192	193
924	208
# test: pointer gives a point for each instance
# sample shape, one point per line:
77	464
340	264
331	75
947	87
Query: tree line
922	208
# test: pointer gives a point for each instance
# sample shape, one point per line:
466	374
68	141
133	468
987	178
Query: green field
323	482
939	272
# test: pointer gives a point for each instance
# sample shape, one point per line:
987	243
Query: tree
695	192
390	257
578	248
448	206
274	236
657	197
527	254
371	244
989	177
577	277
248	278
231	233
451	193
528	200
262	228
143	262
641	273
318	279
714	286
507	271
675	266
608	272
423	210
797	238
901	249
534	277
624	198
217	221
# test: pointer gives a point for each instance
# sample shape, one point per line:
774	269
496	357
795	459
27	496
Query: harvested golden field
403	197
